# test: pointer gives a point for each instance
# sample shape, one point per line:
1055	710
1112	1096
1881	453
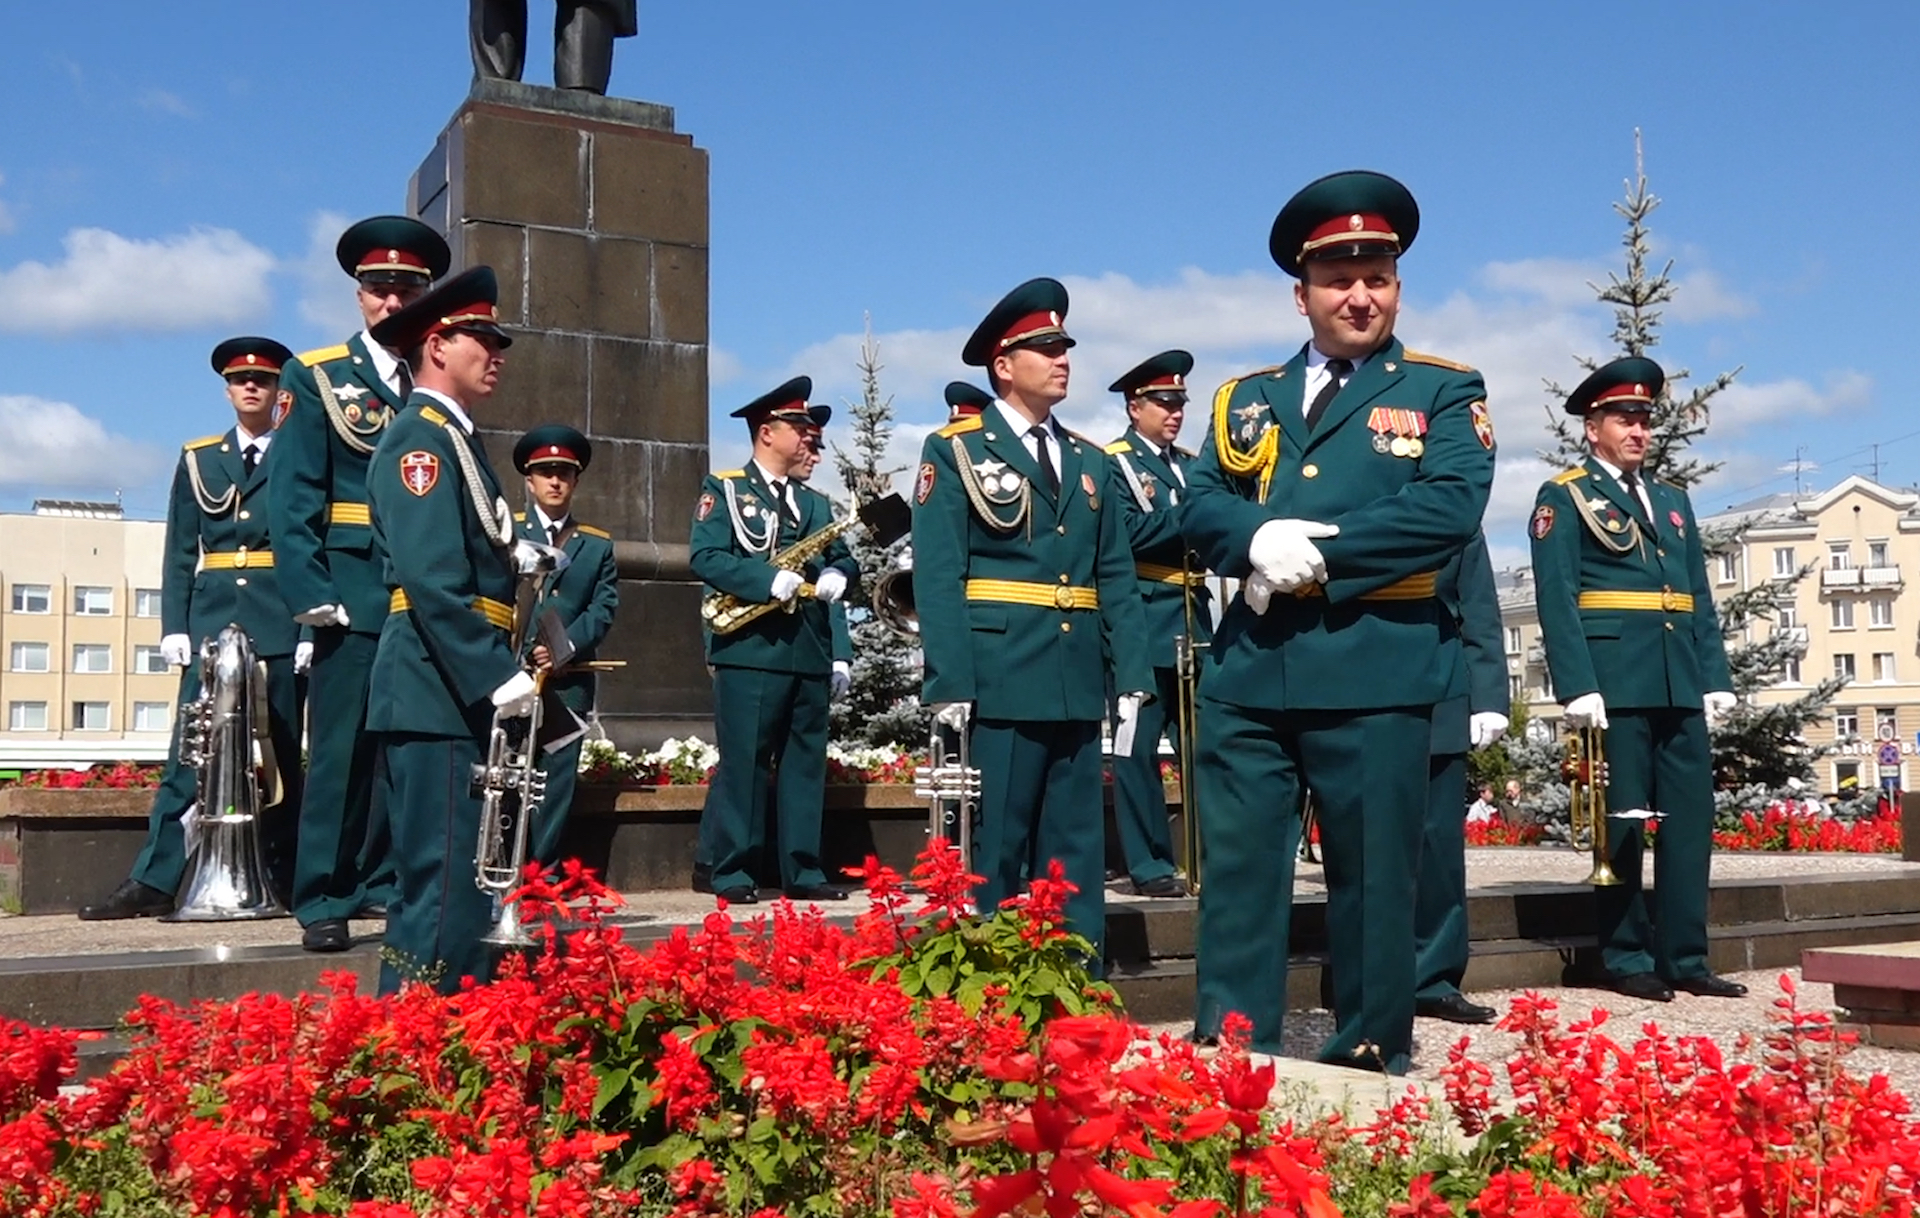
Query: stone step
1878	986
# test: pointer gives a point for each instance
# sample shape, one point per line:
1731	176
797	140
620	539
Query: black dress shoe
1454	1008
1162	886
742	894
327	935
372	911
703	878
1710	985
815	892
1637	985
131	900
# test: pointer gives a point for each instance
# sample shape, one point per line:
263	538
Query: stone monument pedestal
593	210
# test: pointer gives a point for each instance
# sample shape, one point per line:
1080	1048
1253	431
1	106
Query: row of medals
1399	446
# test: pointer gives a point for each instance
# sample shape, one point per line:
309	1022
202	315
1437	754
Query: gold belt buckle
240	558
1063	597
1669	600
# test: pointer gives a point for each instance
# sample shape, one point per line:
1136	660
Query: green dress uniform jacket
1151	493
1625	610
586	595
336	407
1334	686
219	569
770	680
443	528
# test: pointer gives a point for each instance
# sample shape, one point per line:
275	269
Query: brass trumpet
1584	767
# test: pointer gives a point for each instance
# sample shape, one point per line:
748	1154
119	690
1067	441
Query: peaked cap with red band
1165	373
463	303
1629	383
1034	312
393	249
249	353
965	400
788	402
552	444
1353	214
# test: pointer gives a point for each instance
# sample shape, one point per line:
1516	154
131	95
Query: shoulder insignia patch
591	531
730	473
1542	521
282	406
419	471
961	426
1482	423
1421	357
1572	475
432	416
923	485
1117	447
704	508
321	355
203	442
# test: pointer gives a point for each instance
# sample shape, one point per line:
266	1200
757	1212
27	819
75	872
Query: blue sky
171	175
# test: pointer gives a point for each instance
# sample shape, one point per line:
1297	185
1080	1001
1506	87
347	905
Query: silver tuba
509	783
224	736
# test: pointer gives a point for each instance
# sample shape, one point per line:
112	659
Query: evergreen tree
883	707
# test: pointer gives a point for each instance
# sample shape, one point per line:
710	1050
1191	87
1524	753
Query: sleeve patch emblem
923	486
705	509
282	406
419	471
1542	521
1483	426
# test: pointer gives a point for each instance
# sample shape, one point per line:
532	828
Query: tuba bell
1584	768
225	738
893	602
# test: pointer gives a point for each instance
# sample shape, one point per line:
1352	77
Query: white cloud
47	445
106	282
1562	283
160	101
326	294
723	366
1704	296
1745	404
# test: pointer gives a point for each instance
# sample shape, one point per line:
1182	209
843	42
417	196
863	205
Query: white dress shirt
785	483
550	525
1024	429
258	444
1614	472
1317	376
386	365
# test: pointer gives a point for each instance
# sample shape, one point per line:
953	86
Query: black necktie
405	376
1039	433
1632	484
780	499
553	534
1337	370
250	457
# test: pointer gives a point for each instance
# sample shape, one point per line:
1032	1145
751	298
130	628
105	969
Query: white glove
906	559
177	650
953	714
1485	728
1283	551
1126	713
1717	704
303	655
515	698
786	584
831	586
323	615
842	678
1258	592
1588	710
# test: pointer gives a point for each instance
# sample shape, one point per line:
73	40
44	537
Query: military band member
1153	483
842	680
445	660
1334	487
1634	648
965	400
1027	601
220	570
1473	719
772	678
552	458
339	401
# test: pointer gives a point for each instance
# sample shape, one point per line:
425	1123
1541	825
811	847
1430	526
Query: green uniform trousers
766	724
1139	795
1368	773
346	846
562	768
1440	895
437	913
1041	799
1658	759
162	861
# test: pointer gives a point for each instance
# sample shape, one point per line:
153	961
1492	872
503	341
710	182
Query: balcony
1840	579
1880	577
1536	654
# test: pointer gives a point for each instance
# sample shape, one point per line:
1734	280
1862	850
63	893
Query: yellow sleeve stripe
203	441
590	531
1572	475
321	355
960	427
1421	357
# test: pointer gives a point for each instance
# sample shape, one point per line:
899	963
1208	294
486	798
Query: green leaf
612	1083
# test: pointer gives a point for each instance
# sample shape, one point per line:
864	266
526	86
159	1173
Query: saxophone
887	517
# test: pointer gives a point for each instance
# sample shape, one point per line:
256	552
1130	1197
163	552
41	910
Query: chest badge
1678	522
1249	417
999	482
350	393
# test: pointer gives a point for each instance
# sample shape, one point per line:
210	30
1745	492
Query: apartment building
1850	616
81	679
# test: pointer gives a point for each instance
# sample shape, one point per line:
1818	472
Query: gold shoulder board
1421	357
432	416
1117	447
730	473
1572	475
520	517
203	441
960	427
590	531
321	355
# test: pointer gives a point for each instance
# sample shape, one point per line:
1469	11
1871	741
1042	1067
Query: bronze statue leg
583	33
497	33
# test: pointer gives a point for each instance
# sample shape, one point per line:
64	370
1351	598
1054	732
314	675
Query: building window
1880	611
92	657
1846	722
1877	554
150	716
1843	665
93	602
147	660
1515	685
89	716
1790	671
1787	613
1883	666
1783	564
146	602
1729	567
1846	777
32	598
1840	555
1513	640
1886	722
26	716
30	657
1842	614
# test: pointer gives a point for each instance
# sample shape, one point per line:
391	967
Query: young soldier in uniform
771	677
1471	720
1027	602
552	459
1634	648
219	570
965	401
339	400
1153	483
1334	487
445	661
